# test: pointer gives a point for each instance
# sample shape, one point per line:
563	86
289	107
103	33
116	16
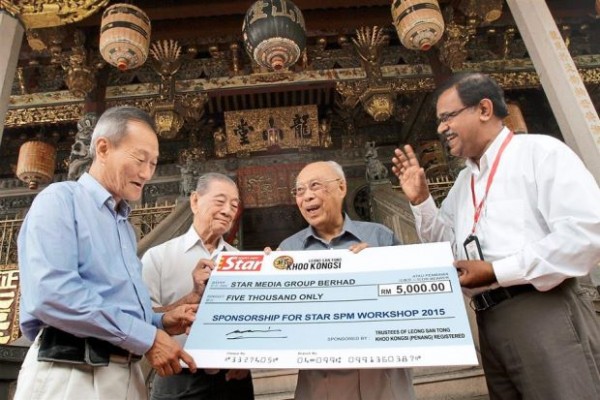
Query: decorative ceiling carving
55	107
44	115
217	75
47	13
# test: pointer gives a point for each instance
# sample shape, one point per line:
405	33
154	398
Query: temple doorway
268	226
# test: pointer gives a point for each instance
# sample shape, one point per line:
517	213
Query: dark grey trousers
542	346
201	386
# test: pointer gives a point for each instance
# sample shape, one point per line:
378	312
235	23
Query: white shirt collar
191	239
490	154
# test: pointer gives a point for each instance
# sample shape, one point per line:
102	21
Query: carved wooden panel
271	129
9	303
269	185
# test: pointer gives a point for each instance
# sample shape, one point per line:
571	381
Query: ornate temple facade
358	87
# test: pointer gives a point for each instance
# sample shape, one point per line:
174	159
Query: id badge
472	248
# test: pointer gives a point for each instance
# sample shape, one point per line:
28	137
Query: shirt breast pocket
503	227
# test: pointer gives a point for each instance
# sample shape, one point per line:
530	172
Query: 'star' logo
240	263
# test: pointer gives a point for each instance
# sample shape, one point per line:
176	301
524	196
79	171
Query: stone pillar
11	32
568	97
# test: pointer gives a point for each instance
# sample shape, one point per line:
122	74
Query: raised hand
412	177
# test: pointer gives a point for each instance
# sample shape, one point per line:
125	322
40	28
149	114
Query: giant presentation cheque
394	306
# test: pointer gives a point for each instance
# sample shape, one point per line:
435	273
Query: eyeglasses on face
313	186
446	117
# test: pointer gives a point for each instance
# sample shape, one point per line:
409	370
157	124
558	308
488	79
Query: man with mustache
83	302
320	190
167	271
524	220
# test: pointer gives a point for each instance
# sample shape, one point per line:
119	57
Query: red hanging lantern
124	36
274	33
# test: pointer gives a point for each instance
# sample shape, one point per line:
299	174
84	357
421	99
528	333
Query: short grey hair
337	168
205	180
112	125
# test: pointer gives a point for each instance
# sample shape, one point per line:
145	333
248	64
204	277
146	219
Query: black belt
488	299
121	352
61	346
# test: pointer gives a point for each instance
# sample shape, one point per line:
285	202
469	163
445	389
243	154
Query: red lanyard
479	207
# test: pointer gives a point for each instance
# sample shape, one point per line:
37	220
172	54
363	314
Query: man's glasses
313	186
445	117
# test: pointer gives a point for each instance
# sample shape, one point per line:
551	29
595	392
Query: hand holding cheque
385	307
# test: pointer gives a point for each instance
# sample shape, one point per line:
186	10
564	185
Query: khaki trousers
41	380
355	384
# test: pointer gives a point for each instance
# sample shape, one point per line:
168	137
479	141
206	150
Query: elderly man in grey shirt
320	190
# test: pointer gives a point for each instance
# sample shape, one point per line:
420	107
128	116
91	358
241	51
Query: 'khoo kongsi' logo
240	263
283	262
